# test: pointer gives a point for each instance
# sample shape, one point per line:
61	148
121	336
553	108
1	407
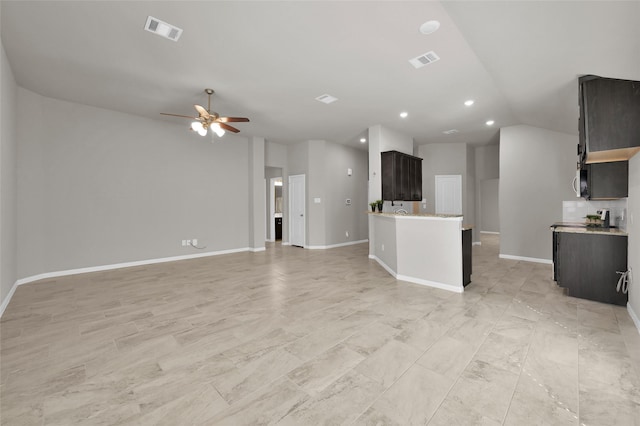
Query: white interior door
297	210
449	194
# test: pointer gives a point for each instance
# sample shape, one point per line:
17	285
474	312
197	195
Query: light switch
316	200
349	172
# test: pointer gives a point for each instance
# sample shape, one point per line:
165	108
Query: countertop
415	214
465	226
589	230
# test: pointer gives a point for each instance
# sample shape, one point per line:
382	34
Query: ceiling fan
207	119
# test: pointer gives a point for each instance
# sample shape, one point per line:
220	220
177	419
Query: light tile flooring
300	337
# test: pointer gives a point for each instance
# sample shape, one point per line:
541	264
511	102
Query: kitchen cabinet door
609	111
586	265
401	176
608	180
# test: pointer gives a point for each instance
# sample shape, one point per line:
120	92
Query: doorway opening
274	215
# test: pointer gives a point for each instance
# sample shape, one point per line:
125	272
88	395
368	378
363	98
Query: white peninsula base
422	249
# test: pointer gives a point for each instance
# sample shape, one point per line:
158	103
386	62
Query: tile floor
299	337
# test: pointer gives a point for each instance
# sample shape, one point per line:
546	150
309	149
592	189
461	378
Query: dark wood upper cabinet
609	123
401	176
608	180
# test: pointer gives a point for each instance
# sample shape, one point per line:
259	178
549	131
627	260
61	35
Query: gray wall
633	229
325	165
489	205
536	169
317	187
487	159
257	195
340	217
8	194
443	159
98	187
470	213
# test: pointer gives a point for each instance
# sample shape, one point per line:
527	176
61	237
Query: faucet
401	211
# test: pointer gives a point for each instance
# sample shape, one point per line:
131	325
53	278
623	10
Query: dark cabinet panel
466	256
586	265
278	228
608	180
401	176
609	111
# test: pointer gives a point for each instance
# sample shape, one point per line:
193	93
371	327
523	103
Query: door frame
272	208
292	199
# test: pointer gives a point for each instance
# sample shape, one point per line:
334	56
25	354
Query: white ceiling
269	60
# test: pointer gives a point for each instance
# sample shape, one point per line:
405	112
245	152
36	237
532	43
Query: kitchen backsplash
575	211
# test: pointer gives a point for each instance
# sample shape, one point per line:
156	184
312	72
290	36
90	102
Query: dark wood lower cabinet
278	228
466	256
586	264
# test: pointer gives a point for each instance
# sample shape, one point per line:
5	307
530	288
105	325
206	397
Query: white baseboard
100	268
489	232
286	243
633	316
476	243
349	243
428	283
416	280
6	300
384	265
257	249
525	259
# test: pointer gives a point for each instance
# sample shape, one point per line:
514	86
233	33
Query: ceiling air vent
327	99
161	28
424	59
450	132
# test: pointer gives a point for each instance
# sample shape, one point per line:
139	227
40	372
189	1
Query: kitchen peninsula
424	249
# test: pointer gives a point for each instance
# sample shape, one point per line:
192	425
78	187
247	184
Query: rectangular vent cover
327	99
424	59
161	28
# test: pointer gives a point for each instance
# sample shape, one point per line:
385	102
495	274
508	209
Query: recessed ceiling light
429	27
327	99
362	140
161	28
490	123
469	102
404	114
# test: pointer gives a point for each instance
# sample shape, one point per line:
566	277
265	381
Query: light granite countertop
590	230
415	214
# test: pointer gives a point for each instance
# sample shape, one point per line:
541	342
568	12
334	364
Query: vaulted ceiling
269	60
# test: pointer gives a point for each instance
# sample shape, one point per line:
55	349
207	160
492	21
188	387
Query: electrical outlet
346	234
184	243
383	247
188	242
194	241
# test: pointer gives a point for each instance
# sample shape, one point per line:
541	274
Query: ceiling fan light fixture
215	127
197	126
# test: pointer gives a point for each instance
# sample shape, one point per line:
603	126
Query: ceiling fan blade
203	112
178	115
232	119
229	128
